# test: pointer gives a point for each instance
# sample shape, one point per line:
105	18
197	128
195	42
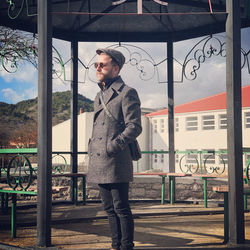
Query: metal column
234	123
171	106
44	123
74	114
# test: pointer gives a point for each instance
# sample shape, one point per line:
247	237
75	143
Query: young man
117	122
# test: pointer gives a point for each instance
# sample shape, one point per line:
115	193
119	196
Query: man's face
105	70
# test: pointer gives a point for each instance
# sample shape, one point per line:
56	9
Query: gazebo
165	21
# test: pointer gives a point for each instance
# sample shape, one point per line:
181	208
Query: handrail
191	161
34	151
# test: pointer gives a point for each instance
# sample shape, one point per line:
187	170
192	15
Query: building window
162	157
162	125
177	157
155	126
191	157
247	119
223	121
208	122
191	123
223	157
155	157
176	124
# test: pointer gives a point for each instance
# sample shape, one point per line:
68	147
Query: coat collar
110	93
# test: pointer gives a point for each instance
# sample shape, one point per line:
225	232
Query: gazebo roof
106	21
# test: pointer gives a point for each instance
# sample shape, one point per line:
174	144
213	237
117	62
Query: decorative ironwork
14	11
210	167
245	59
59	164
246	172
19	172
203	50
189	164
135	56
16	47
210	46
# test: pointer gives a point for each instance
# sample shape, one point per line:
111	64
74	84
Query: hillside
17	117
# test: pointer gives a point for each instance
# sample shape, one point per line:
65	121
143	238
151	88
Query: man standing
117	122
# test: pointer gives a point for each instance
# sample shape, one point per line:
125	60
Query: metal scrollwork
245	59
210	46
189	163
58	69
59	164
19	172
135	57
20	47
211	168
14	11
205	49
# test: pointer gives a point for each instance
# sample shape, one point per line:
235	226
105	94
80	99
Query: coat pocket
112	148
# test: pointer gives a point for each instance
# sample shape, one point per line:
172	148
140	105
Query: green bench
224	190
172	177
18	181
171	189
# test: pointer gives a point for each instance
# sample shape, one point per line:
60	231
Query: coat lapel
114	90
110	94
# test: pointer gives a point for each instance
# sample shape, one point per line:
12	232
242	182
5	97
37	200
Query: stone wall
187	188
142	188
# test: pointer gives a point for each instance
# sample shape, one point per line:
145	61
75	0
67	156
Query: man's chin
100	79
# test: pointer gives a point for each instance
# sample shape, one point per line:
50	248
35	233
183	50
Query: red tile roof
214	102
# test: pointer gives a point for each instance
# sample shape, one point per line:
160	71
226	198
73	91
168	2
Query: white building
199	125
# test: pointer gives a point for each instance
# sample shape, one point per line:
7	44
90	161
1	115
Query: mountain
17	117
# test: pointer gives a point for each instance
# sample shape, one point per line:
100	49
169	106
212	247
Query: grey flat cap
116	55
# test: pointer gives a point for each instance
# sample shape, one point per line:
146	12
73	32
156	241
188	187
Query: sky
210	80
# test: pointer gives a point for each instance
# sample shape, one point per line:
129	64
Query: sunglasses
101	65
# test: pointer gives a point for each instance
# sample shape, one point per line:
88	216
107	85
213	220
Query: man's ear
117	69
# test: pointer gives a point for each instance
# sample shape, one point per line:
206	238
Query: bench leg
205	191
226	218
13	216
163	189
245	201
84	190
172	189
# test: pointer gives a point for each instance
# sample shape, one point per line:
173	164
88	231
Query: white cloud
25	73
15	97
12	95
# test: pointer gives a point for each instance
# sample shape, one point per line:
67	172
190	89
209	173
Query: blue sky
22	85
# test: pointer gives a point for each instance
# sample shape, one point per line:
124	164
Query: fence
190	161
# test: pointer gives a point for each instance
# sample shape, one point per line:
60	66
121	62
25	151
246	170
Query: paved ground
179	226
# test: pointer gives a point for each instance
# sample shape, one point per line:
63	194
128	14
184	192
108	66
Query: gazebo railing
189	161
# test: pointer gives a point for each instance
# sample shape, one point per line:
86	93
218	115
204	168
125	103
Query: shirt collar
108	83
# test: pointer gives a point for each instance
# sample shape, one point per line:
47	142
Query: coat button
98	154
103	123
100	138
91	154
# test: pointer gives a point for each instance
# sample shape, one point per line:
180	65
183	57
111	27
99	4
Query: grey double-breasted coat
109	156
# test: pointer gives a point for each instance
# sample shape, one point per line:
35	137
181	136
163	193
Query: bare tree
16	47
25	137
